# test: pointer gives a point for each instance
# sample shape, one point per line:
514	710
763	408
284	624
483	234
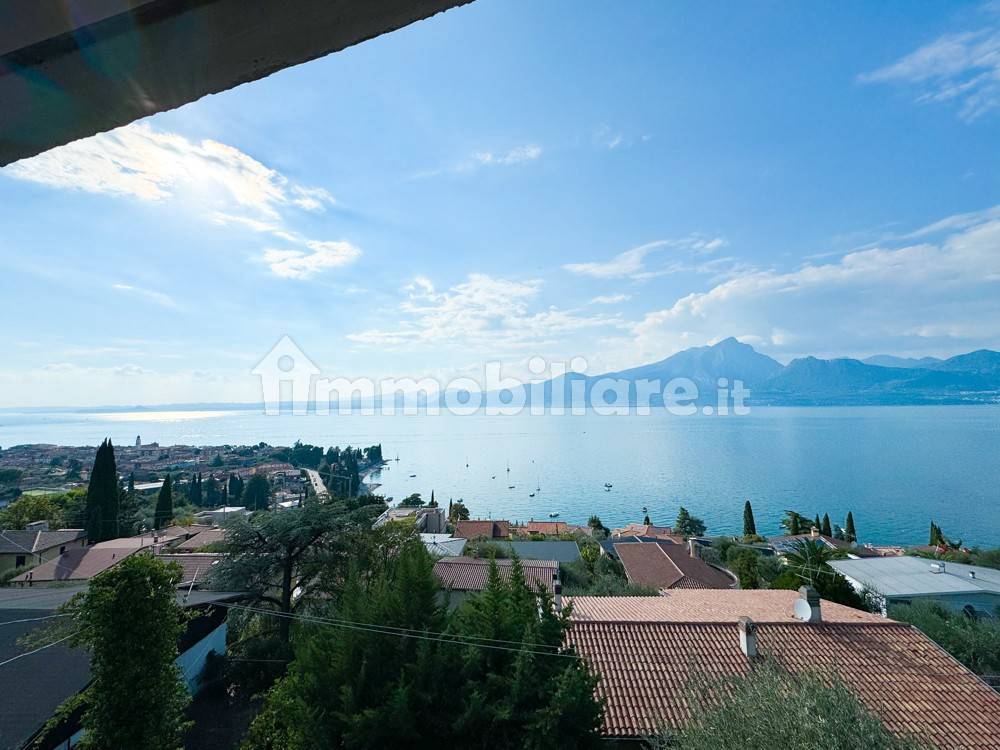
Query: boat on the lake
553	515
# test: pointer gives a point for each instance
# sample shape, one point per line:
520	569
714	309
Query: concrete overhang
73	68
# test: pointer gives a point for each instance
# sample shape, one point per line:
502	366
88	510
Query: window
19	561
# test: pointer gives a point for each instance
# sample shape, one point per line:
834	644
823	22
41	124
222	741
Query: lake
896	468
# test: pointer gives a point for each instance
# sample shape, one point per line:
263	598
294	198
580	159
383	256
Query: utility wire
40	648
32	619
407	633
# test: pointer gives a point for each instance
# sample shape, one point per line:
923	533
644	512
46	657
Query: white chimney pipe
748	637
557	589
807	606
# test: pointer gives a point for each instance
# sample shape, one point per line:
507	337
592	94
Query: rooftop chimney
807	605
814	532
557	589
748	637
37	526
937	567
972	574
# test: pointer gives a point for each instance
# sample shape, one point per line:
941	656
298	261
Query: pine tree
128	510
826	529
749	525
257	493
164	513
850	532
103	495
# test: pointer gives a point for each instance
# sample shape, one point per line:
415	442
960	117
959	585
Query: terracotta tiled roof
645	529
708	605
553	528
75	564
662	565
647	649
488	529
196	565
470	574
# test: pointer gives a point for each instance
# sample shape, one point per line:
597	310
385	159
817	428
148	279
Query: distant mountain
983	361
850	381
966	378
888	360
706	364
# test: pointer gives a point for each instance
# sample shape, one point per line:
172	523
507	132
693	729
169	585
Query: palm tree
809	560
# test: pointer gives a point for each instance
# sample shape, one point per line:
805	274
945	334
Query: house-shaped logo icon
287	363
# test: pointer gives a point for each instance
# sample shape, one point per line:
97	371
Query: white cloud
299	264
632	262
518	155
159	298
927	296
610	299
963	68
215	180
483	313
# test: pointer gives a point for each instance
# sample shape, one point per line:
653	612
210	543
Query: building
426	520
646	650
219	515
480	529
463	576
47	679
648	530
211	535
902	580
443	545
75	565
663	565
553	528
782	545
36	545
560	551
196	567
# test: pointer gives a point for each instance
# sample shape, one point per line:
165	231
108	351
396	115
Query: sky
509	179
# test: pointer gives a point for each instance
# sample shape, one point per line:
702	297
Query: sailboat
531	494
397	456
538	485
508	466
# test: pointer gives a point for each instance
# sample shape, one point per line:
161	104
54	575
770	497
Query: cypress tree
794	523
128	510
826	529
817	523
103	496
849	530
749	525
164	513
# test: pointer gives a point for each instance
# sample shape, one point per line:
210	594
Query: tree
817	524
164	512
973	641
217	461
272	555
137	697
433	502
850	533
646	521
30	508
687	524
412	501
257	493
212	494
103	496
599	529
809	564
532	693
826	529
749	525
458	512
194	491
777	709
743	562
794	523
235	490
128	511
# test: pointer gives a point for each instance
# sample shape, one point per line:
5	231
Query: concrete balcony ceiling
73	68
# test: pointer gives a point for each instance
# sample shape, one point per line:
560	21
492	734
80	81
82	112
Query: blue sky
616	181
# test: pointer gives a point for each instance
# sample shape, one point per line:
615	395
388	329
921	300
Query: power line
41	648
409	633
32	619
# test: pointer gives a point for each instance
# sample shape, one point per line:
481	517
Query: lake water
896	468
